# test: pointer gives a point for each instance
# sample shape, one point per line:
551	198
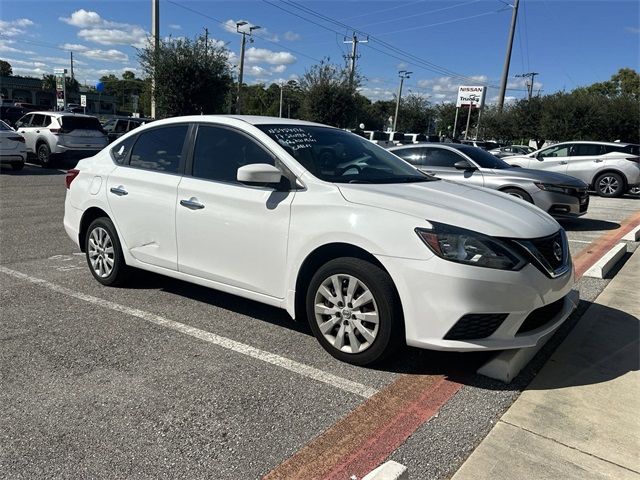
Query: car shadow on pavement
29	170
216	298
587	225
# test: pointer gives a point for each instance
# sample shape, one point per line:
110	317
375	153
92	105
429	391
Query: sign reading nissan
472	96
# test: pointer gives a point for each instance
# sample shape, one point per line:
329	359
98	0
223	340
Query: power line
197	12
395	7
446	22
419	14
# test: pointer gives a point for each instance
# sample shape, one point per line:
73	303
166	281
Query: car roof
250	119
59	114
591	142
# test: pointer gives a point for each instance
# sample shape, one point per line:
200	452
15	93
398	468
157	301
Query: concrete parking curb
506	365
390	470
633	235
609	260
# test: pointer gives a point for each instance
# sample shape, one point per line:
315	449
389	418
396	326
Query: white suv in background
326	225
48	134
609	168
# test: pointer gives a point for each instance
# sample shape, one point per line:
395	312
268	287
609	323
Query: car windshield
483	158
337	156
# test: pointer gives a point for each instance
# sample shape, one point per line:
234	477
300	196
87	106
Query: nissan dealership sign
473	96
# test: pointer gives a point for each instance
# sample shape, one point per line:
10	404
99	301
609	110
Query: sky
443	43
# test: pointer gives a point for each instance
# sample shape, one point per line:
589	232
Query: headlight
552	188
470	248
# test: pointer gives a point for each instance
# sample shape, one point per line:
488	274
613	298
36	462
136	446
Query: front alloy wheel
346	313
354	311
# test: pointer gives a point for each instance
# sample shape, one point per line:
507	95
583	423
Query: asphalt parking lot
165	379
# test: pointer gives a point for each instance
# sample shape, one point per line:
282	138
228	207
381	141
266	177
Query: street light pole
244	34
155	34
402	74
281	89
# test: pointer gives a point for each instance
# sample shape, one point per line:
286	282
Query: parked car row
328	226
611	169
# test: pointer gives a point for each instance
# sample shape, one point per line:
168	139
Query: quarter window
159	149
219	152
120	152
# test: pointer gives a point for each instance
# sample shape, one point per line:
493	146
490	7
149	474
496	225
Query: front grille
541	316
475	325
548	248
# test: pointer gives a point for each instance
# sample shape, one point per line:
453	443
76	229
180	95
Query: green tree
71	85
5	69
189	77
327	96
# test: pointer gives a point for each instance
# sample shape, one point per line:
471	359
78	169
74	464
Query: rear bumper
13	157
76	152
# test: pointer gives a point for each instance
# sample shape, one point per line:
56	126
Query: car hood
540	176
475	208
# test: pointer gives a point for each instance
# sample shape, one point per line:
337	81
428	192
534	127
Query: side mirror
464	165
259	174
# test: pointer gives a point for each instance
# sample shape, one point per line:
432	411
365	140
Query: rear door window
415	156
586	149
160	149
38	120
80	123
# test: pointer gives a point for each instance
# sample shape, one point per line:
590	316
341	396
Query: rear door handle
119	190
563	162
192	204
598	160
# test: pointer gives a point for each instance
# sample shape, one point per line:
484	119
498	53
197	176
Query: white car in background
12	147
609	168
52	134
326	225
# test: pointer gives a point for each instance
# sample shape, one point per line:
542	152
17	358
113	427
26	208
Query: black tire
610	185
45	158
634	191
390	327
17	166
119	271
516	192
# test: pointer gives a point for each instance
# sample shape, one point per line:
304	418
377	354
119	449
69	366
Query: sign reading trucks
473	96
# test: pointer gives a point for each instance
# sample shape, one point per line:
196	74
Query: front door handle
192	204
598	160
563	162
119	190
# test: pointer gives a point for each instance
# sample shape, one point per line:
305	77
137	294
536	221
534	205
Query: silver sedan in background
559	195
512	150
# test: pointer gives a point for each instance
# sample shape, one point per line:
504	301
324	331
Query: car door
229	232
28	132
585	159
142	192
553	159
440	161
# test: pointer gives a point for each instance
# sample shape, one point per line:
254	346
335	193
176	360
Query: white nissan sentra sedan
326	225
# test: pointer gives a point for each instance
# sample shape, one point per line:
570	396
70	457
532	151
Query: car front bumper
437	294
562	204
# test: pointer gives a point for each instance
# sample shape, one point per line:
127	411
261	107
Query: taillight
17	138
57	131
71	175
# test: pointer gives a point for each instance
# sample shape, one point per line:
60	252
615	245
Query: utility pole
244	34
72	76
402	74
532	76
281	90
354	55
206	41
507	60
155	34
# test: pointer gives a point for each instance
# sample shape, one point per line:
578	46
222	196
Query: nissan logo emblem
557	251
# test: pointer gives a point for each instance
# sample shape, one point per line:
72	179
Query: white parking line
40	166
579	241
272	358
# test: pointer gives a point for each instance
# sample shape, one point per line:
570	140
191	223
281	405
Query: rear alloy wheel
516	192
609	185
44	155
354	311
104	253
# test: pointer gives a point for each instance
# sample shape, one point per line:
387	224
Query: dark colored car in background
118	126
